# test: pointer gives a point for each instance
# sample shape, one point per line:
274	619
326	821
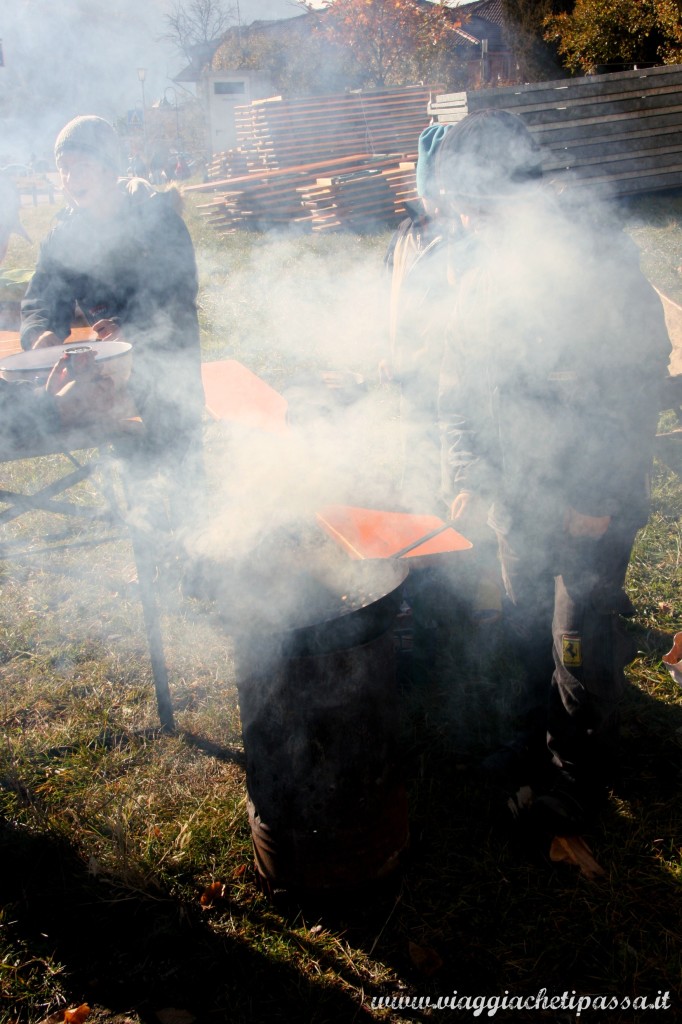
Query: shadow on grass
485	911
130	952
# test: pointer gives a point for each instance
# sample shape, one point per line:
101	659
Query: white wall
225	90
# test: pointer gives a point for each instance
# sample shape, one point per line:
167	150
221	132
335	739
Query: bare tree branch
197	22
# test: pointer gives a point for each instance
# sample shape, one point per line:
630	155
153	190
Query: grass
111	831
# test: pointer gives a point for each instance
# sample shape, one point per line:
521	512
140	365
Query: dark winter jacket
139	271
553	370
417	263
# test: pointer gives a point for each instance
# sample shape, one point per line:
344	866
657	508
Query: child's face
87	182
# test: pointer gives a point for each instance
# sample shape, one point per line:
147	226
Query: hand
469	511
46	340
85	401
461	504
578	525
107	330
88	399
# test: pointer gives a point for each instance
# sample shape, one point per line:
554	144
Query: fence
619	134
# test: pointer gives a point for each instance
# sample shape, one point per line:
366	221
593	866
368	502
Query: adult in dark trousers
550	393
419	313
121	254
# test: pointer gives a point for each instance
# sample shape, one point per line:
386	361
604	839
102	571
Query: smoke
313	327
75	57
544	340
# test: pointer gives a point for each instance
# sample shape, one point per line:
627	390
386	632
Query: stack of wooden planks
324	163
230	164
278	133
361	199
617	134
354	192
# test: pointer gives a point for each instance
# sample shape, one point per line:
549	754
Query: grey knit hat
91	135
489	155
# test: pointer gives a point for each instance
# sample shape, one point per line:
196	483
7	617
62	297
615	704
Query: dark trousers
567	602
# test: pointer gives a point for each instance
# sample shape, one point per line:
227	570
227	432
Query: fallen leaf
212	894
574	850
78	1015
665	607
425	959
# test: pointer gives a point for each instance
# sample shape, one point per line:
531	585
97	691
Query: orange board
234	394
371	533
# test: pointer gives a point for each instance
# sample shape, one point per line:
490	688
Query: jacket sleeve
165	305
163	321
49	303
616	431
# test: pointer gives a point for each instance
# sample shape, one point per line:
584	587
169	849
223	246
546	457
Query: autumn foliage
611	34
391	42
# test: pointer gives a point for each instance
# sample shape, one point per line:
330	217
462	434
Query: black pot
367	608
319	711
279	606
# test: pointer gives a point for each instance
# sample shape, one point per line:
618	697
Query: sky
81	56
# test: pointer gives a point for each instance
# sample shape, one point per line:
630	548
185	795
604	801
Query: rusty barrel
318	703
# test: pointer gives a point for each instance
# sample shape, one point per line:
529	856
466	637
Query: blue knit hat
429	141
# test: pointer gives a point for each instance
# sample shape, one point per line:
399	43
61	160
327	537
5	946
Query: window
228	88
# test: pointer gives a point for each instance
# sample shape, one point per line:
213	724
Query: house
483	52
222	89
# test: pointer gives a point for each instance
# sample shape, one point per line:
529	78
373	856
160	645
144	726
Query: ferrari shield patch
571	651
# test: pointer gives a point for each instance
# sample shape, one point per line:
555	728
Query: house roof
203	55
486	10
480	20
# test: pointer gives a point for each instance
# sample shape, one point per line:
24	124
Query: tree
197	23
536	56
617	32
390	42
291	54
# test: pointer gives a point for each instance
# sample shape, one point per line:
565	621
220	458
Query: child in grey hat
122	254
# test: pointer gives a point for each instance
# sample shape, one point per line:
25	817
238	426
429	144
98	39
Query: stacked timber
325	162
230	164
616	134
449	108
278	133
352	193
359	200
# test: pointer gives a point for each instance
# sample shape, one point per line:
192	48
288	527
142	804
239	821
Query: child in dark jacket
122	255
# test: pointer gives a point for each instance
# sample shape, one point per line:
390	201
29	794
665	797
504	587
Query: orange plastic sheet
372	533
233	393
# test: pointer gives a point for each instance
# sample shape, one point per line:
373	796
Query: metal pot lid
37	359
